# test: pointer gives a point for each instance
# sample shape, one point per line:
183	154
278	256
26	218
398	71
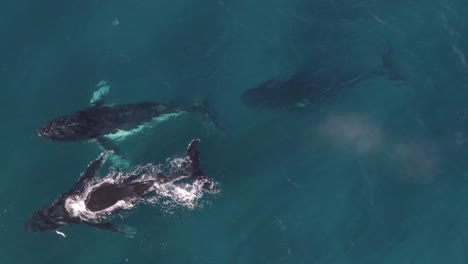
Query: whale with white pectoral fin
108	123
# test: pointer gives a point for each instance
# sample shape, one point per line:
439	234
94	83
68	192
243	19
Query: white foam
76	206
186	195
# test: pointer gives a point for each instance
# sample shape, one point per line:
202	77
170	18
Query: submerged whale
302	88
92	200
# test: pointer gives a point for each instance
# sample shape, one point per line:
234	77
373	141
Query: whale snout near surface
45	132
52	131
69	129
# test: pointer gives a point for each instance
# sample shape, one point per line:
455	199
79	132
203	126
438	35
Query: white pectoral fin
98	98
60	233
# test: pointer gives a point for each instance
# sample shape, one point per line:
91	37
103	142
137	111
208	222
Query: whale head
69	128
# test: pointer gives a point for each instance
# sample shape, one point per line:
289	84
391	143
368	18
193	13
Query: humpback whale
304	87
102	122
106	124
99	121
92	200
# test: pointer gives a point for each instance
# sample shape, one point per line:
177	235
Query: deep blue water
375	174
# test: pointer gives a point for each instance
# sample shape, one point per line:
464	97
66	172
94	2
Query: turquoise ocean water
375	174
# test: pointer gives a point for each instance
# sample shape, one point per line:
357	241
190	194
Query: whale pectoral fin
104	225
108	145
209	114
118	158
195	171
193	154
98	98
92	170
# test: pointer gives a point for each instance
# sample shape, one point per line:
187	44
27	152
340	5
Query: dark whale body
100	119
108	194
307	86
95	122
104	195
